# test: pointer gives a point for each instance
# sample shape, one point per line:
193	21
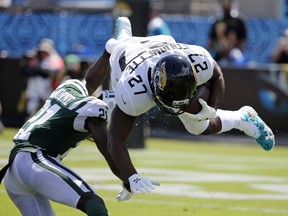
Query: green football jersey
59	125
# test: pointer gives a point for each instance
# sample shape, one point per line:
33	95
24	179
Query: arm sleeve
93	108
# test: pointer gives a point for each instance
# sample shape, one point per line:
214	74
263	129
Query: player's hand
110	45
124	194
140	184
206	112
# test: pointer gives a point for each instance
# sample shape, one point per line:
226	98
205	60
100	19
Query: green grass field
197	179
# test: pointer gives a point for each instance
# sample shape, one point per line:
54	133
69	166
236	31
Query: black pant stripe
46	156
62	175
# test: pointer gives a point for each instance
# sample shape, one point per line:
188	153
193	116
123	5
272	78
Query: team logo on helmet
162	76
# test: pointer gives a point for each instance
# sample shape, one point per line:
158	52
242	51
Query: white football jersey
133	60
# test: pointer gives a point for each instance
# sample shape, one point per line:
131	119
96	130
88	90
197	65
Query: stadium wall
259	86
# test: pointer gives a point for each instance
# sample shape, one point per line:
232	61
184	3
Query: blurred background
43	42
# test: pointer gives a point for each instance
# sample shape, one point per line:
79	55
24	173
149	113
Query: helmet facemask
174	83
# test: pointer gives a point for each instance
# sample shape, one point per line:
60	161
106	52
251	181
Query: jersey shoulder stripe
76	84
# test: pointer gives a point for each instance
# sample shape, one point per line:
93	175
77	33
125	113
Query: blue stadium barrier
87	33
84	34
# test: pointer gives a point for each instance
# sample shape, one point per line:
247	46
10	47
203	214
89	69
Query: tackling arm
97	73
121	126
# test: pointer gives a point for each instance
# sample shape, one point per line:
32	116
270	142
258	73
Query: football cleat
252	125
122	28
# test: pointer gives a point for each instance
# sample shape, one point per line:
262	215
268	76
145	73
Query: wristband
127	186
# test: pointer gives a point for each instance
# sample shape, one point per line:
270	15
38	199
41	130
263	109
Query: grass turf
197	178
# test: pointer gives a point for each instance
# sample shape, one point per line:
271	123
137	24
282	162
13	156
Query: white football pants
35	178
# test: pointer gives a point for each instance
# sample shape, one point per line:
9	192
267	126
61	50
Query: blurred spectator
228	35
5	3
4	54
280	54
44	69
51	61
121	8
156	25
73	67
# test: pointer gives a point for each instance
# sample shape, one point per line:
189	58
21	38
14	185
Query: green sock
96	207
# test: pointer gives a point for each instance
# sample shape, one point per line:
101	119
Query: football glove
124	194
140	184
206	112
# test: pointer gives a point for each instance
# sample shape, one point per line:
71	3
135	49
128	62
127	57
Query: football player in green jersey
35	173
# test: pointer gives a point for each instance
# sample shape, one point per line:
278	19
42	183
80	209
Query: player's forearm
120	128
122	159
113	167
217	93
97	73
217	88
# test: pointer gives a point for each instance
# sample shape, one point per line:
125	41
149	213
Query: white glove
141	184
124	194
110	45
206	112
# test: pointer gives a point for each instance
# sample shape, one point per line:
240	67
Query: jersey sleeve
89	107
203	63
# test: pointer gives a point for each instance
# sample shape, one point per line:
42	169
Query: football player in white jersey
156	70
35	173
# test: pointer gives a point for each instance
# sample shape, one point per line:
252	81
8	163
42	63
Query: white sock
230	119
124	29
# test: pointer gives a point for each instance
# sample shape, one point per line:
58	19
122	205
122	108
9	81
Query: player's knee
96	207
214	127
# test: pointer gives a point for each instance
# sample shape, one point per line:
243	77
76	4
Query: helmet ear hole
173	83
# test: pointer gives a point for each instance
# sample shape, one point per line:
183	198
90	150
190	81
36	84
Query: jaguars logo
162	76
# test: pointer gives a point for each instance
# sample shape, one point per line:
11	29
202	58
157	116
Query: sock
96	207
230	119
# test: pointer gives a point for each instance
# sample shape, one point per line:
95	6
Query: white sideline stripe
195	192
171	175
3	161
279	188
155	155
276	188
